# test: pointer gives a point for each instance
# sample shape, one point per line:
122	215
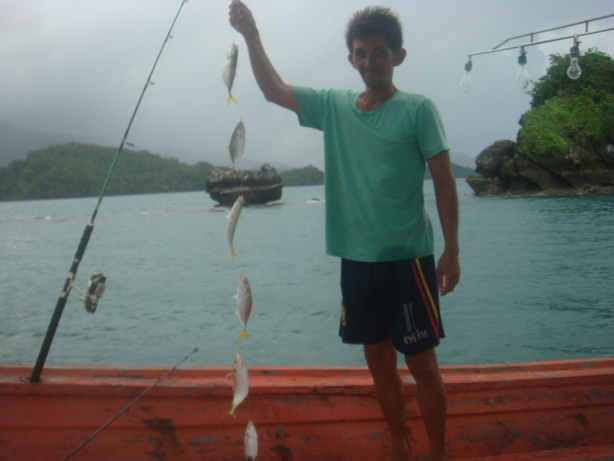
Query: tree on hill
597	75
307	176
79	170
566	111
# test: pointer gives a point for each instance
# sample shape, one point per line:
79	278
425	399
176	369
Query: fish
230	70
241	382
251	442
244	303
237	144
231	226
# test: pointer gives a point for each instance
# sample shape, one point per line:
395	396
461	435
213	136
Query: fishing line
231	67
138	123
148	83
127	407
87	232
241	183
136	128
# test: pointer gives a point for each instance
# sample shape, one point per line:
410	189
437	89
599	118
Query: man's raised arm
269	81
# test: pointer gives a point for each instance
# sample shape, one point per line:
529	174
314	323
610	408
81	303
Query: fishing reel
94	291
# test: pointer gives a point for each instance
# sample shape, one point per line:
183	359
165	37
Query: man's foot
401	450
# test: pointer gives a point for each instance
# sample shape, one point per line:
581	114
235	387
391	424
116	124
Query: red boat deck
549	411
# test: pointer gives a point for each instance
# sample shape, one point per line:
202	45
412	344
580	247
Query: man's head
375	41
375	20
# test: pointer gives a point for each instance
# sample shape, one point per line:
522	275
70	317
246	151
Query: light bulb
522	78
466	82
574	71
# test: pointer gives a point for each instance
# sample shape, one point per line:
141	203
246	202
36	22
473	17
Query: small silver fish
244	303
241	382
237	144
230	70
251	442
231	226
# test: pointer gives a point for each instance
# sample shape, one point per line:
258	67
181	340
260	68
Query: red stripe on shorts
425	299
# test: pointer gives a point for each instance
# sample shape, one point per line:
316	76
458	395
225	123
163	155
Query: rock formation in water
582	169
256	187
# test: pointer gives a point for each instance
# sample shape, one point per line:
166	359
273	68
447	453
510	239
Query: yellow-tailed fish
251	442
230	70
241	382
233	217
237	144
244	303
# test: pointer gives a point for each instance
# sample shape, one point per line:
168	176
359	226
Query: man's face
374	60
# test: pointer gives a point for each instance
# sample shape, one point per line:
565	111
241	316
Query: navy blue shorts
396	300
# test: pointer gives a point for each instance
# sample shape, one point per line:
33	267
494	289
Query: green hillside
79	170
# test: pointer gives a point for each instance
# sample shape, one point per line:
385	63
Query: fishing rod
87	232
127	407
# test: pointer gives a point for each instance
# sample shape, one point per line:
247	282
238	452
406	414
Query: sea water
537	281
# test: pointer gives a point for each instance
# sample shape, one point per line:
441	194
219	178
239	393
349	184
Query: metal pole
585	22
540	42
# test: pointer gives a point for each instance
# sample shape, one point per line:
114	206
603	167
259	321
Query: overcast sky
78	67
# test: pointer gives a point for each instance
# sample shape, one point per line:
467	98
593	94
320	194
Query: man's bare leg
382	362
431	399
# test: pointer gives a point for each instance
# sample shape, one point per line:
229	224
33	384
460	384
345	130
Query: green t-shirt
374	172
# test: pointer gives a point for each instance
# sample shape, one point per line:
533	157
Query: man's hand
273	88
448	272
241	18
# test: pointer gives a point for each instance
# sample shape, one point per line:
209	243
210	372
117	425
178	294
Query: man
377	144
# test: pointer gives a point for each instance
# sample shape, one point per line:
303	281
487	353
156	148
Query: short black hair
375	20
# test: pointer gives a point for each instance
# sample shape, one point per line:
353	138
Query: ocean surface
537	281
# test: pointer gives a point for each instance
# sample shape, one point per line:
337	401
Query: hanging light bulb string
574	70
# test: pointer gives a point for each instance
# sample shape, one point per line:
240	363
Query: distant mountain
462	159
15	143
79	170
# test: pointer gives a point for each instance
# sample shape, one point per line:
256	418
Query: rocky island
580	169
565	144
256	187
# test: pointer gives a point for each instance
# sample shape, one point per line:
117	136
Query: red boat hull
549	410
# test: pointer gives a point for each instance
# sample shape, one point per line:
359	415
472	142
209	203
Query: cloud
78	67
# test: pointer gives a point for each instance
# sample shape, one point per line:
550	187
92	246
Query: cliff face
582	169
